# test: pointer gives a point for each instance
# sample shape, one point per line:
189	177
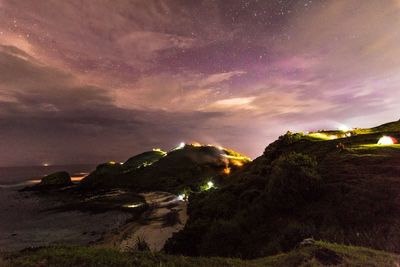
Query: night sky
91	81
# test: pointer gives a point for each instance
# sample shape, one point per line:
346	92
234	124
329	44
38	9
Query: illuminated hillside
187	167
343	189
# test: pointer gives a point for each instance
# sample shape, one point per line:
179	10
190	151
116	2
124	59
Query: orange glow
237	163
196	144
227	170
73	179
77	178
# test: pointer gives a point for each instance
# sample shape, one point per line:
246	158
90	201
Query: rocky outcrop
56	179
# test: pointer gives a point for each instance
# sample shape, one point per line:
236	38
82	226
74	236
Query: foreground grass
317	254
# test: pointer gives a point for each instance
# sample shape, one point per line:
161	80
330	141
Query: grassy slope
189	167
319	254
358	200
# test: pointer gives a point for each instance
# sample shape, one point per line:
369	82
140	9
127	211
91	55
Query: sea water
25	175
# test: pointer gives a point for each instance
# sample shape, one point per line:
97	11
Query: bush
141	245
290	138
293	181
222	239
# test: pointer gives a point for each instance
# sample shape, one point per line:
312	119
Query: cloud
175	92
56	117
219	77
147	43
103	79
35	86
234	103
129	41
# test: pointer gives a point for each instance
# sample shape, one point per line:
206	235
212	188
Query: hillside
317	254
331	185
187	167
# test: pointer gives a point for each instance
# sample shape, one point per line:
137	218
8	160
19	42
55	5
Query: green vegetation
106	173
183	169
145	159
343	190
337	186
315	254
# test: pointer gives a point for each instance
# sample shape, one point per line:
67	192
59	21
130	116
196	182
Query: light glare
386	140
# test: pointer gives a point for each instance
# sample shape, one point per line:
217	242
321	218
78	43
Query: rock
56	179
307	242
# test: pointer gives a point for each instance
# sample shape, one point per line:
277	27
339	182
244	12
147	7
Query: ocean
19	176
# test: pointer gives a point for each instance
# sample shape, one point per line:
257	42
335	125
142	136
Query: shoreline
166	215
30	220
34	181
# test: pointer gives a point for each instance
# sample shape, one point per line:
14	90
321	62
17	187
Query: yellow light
237	163
323	136
227	170
236	157
210	184
181	145
385	140
344	128
182	197
160	151
196	144
132	206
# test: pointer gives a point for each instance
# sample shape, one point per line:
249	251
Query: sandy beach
28	220
165	216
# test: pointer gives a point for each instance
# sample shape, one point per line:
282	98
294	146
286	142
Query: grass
355	202
180	169
317	254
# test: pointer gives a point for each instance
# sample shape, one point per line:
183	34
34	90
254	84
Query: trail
165	216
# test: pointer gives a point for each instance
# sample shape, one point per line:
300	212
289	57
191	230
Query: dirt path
165	216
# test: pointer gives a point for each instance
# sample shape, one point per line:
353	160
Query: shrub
141	244
222	239
294	180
